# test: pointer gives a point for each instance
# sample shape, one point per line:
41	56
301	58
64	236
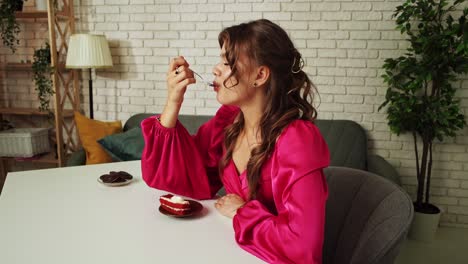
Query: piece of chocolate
122	174
125	175
111	178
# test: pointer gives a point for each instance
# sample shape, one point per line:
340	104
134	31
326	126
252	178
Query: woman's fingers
220	201
175	76
228	204
179	76
177	62
182	85
179	83
179	71
183	72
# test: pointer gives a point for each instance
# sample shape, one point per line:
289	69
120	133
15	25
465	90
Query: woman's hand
179	76
228	204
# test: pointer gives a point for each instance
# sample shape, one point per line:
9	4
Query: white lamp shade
88	51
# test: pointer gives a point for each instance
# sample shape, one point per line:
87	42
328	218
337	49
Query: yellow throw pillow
90	131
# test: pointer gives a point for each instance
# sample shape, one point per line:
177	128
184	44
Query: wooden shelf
16	66
31	14
31	112
48	158
39	14
65	82
12	66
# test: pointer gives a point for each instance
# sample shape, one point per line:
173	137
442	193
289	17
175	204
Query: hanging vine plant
42	70
9	27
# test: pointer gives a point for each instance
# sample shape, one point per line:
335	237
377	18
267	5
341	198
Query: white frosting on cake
175	199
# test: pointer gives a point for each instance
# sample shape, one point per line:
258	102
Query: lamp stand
91	113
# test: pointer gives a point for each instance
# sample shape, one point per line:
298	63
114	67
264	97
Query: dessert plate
195	206
115	178
114	184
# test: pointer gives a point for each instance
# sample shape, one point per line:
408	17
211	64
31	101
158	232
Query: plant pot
424	225
41	5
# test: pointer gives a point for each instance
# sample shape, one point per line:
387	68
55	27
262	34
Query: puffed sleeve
296	233
174	161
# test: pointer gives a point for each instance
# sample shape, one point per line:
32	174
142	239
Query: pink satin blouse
285	223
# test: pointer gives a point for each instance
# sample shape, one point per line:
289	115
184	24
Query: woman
261	145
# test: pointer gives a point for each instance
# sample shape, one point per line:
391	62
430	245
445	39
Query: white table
65	216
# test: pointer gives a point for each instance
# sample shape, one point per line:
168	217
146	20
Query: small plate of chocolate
115	178
176	206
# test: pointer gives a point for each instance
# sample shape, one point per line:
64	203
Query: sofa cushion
124	146
90	131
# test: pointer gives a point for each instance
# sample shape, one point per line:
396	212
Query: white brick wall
344	44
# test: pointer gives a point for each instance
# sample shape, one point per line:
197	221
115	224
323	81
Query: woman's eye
226	64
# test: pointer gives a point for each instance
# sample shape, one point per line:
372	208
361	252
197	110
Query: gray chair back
367	218
347	142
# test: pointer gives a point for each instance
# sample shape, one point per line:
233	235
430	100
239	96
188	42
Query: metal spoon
207	82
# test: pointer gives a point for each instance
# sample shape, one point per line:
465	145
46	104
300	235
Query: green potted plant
42	71
9	27
420	97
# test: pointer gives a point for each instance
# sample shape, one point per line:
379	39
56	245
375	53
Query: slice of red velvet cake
174	204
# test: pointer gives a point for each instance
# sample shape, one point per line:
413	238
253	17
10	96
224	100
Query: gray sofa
346	140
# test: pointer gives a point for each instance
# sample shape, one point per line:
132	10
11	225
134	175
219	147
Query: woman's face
229	90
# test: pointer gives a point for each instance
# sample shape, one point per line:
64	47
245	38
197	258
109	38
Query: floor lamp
88	51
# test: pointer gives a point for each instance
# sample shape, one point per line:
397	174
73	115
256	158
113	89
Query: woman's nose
216	71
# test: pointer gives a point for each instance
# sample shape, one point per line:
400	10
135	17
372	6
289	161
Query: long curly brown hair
289	91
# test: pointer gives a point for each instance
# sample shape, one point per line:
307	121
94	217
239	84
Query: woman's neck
253	111
252	117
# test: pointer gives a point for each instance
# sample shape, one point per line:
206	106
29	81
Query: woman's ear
263	74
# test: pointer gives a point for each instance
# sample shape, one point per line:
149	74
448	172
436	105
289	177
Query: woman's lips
215	86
